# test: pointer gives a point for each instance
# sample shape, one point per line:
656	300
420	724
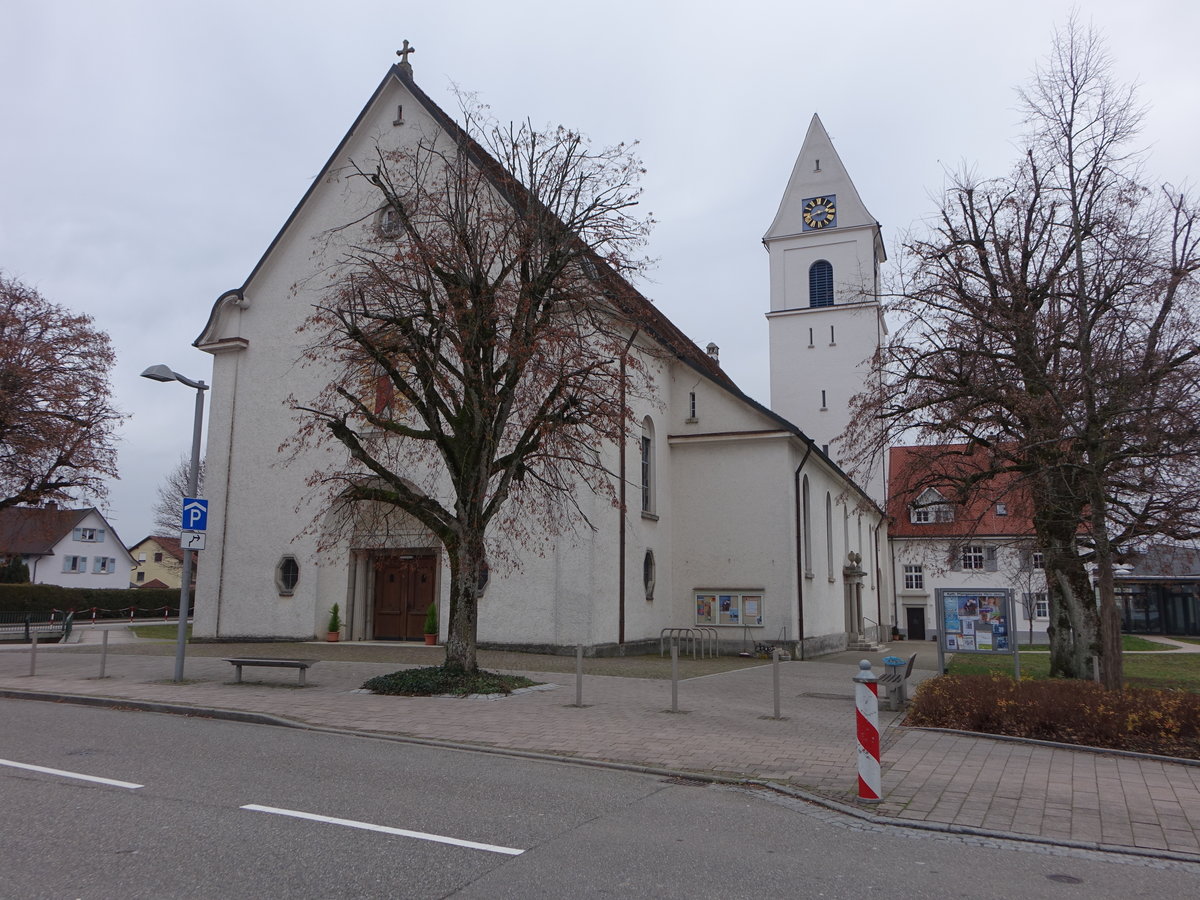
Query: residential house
68	547
941	544
158	562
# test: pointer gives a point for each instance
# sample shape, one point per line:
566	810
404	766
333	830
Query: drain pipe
800	546
624	511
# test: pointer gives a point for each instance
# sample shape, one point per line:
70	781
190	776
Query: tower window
820	283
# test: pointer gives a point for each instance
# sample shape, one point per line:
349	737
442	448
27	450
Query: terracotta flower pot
333	636
431	639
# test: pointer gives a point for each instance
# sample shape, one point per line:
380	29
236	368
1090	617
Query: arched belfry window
820	283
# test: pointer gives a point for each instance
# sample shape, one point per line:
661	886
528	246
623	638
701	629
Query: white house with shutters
67	547
735	515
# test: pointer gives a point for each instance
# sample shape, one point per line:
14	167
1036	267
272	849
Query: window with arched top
647	456
829	534
820	283
808	565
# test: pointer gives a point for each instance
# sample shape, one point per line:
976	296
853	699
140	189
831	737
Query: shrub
433	680
1065	710
108	601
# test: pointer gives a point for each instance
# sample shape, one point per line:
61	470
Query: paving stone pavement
725	727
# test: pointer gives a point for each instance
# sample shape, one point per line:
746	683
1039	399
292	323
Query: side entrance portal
404	588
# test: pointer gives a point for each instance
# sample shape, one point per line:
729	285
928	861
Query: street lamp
164	373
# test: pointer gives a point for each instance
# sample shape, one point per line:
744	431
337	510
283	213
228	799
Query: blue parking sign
195	514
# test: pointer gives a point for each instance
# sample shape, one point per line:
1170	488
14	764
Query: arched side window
820	283
829	534
647	456
649	573
807	507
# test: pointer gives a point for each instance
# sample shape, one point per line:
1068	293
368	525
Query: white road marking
367	826
109	781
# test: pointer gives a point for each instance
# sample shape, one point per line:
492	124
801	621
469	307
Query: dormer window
930	507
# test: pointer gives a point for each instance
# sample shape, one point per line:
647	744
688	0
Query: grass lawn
160	632
1180	671
1187	640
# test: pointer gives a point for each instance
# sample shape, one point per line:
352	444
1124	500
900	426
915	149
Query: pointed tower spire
825	319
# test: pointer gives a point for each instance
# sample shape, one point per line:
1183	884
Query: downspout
622	496
879	586
800	547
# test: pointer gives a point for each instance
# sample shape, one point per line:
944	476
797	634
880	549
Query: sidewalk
725	729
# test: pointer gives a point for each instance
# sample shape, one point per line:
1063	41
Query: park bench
893	685
301	664
21	626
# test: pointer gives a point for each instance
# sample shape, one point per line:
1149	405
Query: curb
464	746
1059	745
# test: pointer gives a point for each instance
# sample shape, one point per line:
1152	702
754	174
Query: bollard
775	675
579	674
33	653
674	675
103	651
866	700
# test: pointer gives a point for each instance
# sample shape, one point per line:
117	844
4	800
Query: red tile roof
914	470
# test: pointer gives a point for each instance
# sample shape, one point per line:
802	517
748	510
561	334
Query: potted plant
431	624
335	623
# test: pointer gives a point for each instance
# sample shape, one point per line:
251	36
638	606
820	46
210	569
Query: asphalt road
231	810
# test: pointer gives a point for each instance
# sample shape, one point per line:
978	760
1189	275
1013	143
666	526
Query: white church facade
736	515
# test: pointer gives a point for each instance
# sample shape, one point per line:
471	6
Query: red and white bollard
866	701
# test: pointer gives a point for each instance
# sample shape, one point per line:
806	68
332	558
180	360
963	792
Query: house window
1002	509
972	556
930	507
820	283
647	455
104	565
287	574
692	405
1041	606
648	573
141	576
158	557
829	534
76	564
89	535
1037	559
914	578
729	608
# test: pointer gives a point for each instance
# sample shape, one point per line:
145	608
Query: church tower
826	321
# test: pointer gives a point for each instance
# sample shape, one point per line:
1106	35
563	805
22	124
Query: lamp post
164	373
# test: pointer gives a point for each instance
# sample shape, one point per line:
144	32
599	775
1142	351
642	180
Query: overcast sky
151	149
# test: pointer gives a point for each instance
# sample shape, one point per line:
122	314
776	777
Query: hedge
108	602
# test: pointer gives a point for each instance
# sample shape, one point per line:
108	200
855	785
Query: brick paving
724	728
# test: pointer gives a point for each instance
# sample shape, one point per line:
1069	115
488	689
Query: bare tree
483	339
168	508
57	420
1050	317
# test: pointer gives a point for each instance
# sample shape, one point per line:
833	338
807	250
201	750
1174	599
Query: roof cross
403	54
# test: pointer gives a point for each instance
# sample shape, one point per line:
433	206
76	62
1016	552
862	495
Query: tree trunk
466	566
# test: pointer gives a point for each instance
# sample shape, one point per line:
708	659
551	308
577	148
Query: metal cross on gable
403	54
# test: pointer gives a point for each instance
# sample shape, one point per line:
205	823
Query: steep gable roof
166	543
29	531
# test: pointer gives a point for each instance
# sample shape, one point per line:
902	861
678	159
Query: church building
737	516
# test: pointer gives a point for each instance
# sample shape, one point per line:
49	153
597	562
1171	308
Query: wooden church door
403	592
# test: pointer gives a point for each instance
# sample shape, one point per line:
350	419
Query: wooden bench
301	664
894	685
